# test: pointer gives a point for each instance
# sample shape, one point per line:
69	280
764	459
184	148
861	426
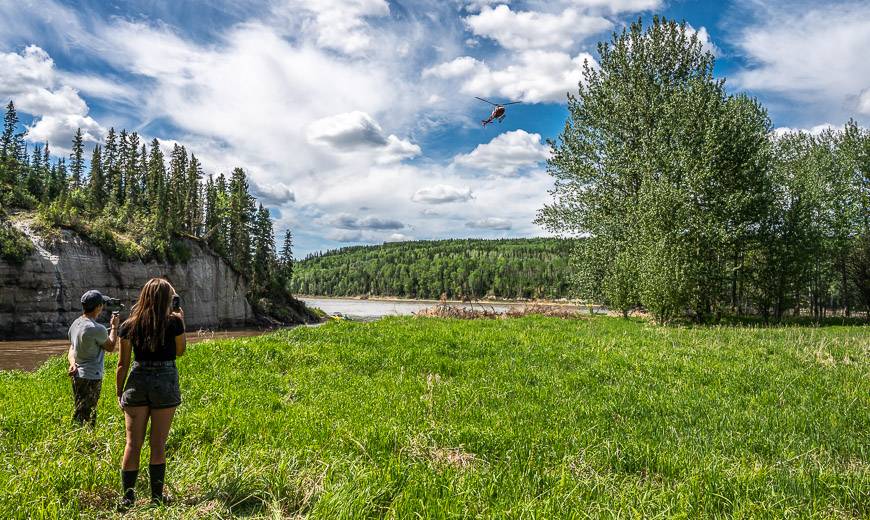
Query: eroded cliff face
41	298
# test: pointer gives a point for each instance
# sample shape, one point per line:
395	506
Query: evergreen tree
132	173
176	189
286	258
77	160
193	205
263	259
241	216
110	167
8	147
97	182
121	163
7	141
155	179
35	179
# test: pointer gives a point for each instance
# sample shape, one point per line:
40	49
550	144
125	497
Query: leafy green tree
659	167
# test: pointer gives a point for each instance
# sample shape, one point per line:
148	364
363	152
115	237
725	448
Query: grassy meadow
437	418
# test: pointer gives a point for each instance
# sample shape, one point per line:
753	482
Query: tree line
691	205
507	268
133	203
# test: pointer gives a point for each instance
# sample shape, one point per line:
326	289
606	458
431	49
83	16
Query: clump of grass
533	417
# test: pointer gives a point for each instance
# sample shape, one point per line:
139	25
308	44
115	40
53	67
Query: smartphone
176	302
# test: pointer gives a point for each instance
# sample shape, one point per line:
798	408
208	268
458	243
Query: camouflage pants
86	393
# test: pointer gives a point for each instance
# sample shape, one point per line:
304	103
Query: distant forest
473	268
134	204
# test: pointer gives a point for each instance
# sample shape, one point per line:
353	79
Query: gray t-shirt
87	338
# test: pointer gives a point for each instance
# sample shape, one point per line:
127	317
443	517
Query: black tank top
166	350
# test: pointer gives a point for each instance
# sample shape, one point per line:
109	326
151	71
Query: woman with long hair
154	333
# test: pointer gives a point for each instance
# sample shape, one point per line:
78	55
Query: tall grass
531	417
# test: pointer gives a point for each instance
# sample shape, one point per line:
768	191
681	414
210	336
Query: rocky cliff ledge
40	298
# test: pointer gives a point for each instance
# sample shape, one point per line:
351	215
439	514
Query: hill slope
507	268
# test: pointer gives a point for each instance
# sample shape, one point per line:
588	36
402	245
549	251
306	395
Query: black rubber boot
128	485
157	473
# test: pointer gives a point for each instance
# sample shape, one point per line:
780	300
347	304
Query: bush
14	245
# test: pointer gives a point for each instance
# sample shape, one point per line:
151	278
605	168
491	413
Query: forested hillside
134	204
508	268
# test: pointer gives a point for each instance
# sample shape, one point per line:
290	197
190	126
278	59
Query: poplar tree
660	169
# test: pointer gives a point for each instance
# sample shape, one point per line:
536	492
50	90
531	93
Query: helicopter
498	113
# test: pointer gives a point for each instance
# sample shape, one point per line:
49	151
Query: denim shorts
153	384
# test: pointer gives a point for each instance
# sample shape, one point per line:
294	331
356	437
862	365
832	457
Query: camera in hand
113	304
176	302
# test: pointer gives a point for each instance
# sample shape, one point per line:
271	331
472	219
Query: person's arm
181	339
112	341
71	357
123	367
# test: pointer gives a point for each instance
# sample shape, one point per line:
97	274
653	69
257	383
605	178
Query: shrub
14	245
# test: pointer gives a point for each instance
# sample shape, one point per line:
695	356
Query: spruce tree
110	166
77	160
121	162
241	216
176	192
97	182
8	147
7	141
132	176
155	178
193	203
35	180
264	250
286	258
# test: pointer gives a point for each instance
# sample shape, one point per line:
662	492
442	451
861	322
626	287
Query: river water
30	354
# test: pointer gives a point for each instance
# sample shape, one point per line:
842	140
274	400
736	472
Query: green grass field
521	418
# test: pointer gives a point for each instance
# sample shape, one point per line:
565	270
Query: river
371	309
30	354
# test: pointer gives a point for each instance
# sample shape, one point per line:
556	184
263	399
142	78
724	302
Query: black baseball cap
92	299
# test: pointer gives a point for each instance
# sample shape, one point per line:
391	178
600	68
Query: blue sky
356	119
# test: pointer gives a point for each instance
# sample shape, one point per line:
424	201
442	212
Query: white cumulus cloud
813	61
535	76
507	154
30	80
490	223
441	194
533	29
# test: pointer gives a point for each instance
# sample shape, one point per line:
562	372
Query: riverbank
528	417
30	354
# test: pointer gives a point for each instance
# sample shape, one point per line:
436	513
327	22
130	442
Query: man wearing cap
89	342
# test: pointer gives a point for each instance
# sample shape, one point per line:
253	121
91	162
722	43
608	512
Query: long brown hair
147	321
